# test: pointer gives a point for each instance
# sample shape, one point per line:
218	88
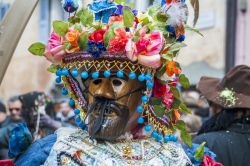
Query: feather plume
195	5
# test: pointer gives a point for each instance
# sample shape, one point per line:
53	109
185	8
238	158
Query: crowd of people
38	111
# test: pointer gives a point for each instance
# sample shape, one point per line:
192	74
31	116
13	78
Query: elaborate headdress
123	39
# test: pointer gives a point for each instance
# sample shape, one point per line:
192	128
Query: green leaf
155	101
199	152
131	5
176	104
181	125
184	81
159	110
37	49
161	17
128	17
160	72
186	138
83	40
145	21
120	1
52	68
177	46
86	17
73	20
60	27
188	28
108	35
175	92
184	109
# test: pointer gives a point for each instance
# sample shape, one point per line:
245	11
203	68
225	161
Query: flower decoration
118	43
19	140
168	99
70	5
172	69
72	36
55	49
96	43
208	161
229	96
159	89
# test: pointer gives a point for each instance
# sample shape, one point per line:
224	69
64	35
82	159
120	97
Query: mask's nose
102	87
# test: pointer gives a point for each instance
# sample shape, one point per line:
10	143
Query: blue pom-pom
140	120
58	79
120	74
74	73
170	29
107	73
181	38
159	137
173	138
166	139
77	111
132	75
139	109
85	75
64	91
71	102
147	128
70	5
148	76
141	77
150	84
95	75
144	99
59	72
154	134
78	119
65	72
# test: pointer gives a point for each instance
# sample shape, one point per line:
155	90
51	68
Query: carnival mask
111	105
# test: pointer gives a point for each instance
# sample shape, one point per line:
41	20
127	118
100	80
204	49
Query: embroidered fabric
74	148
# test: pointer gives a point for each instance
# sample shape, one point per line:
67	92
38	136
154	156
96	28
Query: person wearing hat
227	132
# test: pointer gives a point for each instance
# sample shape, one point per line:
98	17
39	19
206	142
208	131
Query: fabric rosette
55	50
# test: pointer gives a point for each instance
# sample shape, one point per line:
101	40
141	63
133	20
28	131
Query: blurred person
15	109
227	132
193	123
66	113
3	114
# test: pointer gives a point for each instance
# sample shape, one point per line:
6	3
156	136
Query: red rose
208	161
97	36
159	89
118	43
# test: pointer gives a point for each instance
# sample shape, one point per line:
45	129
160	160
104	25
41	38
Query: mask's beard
107	119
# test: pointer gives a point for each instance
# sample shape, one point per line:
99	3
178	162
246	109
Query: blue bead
170	29
175	139
78	119
150	84
64	91
77	111
74	73
85	75
71	102
159	137
171	138
148	76
82	126
147	128
58	79
141	77
65	72
140	120
166	139
154	134
59	72
181	38
107	73
119	74
95	75
139	109
132	75
144	99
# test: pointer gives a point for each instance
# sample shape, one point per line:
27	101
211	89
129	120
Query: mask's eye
97	81
117	82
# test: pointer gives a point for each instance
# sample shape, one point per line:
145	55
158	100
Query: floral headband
108	34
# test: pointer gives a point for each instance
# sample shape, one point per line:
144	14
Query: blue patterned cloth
102	9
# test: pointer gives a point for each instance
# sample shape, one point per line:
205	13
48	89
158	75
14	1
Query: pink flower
55	49
131	50
208	161
168	99
150	44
